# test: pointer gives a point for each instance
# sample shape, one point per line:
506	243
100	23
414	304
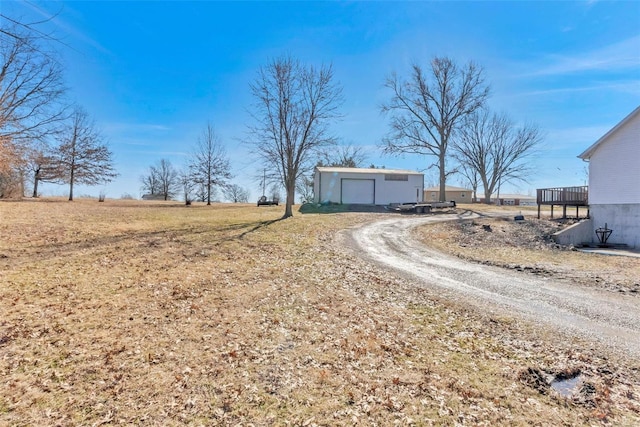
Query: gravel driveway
604	316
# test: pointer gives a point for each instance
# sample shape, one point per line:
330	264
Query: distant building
452	194
363	186
511	200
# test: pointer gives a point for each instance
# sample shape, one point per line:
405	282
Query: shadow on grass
261	224
140	241
312	208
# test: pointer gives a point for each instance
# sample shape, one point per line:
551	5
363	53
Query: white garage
361	186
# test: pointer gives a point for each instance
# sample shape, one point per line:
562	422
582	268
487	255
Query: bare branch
235	193
82	156
492	150
294	105
425	110
161	181
209	163
31	90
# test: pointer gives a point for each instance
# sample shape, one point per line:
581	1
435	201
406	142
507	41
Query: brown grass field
157	314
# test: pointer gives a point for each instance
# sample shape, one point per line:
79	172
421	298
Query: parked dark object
422	207
518	218
262	201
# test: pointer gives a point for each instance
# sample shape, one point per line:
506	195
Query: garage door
358	191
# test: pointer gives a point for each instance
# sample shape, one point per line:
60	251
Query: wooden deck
563	196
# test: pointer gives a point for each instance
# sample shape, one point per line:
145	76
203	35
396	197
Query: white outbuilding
363	186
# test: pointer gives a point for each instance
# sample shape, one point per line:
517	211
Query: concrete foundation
576	234
623	219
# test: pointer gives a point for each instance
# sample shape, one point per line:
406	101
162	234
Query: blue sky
152	74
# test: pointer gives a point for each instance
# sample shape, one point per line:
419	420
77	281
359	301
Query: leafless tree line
439	111
442	112
40	133
208	169
491	150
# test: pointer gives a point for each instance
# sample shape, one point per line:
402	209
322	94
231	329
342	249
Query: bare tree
168	179
11	183
471	176
426	109
491	146
348	156
294	105
209	164
186	183
235	193
31	88
82	156
42	163
200	192
150	182
305	189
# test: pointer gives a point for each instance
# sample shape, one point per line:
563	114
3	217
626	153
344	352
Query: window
461	194
396	177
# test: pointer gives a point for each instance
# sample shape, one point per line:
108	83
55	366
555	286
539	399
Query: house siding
614	172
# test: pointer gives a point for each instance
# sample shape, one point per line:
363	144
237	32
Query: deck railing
573	196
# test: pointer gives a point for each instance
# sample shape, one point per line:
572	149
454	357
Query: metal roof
366	170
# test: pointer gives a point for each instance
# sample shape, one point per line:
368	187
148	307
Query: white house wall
614	168
327	187
623	219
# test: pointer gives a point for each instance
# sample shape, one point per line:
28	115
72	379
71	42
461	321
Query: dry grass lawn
152	313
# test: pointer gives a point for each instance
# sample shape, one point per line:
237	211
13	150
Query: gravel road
604	316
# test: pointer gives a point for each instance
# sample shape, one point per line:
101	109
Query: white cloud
160	154
65	27
618	56
120	127
561	139
631	87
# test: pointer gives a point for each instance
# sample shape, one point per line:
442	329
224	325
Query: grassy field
153	313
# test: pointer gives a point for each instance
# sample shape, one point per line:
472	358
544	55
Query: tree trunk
443	178
487	190
36	179
209	194
22	183
71	186
291	193
487	197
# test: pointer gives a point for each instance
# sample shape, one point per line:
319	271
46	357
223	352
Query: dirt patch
527	246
